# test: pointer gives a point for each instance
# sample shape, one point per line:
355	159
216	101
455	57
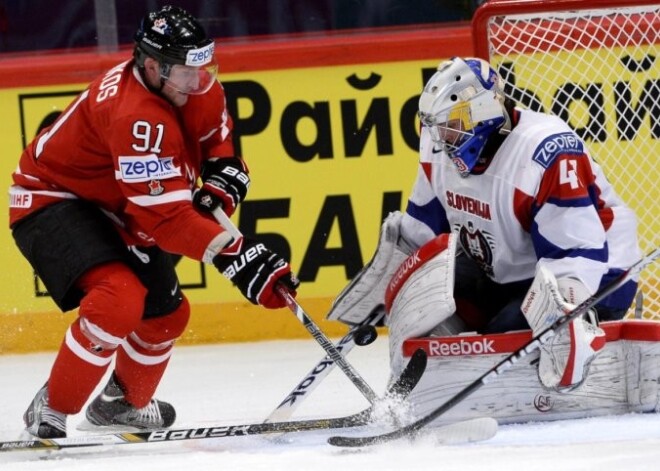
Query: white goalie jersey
542	199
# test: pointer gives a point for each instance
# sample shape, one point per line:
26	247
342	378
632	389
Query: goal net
596	64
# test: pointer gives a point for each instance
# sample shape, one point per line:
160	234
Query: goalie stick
318	373
400	388
308	322
411	430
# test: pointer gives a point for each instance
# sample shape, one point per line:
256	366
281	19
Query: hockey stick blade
409	377
467	431
401	388
412	429
457	433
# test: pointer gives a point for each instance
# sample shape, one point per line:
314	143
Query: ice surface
242	383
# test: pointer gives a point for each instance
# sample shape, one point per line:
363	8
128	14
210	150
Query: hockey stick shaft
308	322
537	341
329	348
316	375
159	436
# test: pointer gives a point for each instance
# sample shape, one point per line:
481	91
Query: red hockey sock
76	371
138	379
111	308
143	357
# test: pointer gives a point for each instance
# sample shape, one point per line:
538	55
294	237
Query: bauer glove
256	271
225	183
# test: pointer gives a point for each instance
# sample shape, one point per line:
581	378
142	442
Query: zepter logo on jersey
145	168
557	144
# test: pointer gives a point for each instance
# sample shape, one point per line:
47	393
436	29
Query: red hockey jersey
132	153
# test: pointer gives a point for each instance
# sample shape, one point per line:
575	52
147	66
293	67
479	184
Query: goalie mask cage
596	64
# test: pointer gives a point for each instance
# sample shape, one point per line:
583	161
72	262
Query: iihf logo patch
155	188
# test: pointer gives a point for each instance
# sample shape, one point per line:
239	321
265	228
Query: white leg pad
420	295
623	378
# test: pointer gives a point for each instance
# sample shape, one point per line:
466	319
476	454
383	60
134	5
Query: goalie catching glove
225	183
565	358
256	271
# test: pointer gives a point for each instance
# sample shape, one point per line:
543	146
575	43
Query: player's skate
41	421
565	359
110	409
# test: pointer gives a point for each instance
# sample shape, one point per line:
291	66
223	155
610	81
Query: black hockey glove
256	271
225	183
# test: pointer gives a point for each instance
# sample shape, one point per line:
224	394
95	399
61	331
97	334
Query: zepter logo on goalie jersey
555	145
136	169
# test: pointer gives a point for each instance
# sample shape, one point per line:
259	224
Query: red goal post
596	64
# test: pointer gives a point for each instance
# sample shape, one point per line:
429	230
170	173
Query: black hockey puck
365	335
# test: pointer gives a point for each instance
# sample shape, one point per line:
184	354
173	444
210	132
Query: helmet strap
165	70
507	126
509	110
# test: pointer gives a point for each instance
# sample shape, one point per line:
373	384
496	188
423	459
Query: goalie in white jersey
528	224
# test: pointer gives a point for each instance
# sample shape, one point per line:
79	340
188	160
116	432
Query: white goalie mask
462	105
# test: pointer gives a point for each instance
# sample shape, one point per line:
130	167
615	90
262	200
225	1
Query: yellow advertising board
331	151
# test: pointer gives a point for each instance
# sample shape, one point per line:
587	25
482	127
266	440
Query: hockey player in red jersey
534	228
103	196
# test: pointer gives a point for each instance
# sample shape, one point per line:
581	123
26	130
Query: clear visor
192	80
452	128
